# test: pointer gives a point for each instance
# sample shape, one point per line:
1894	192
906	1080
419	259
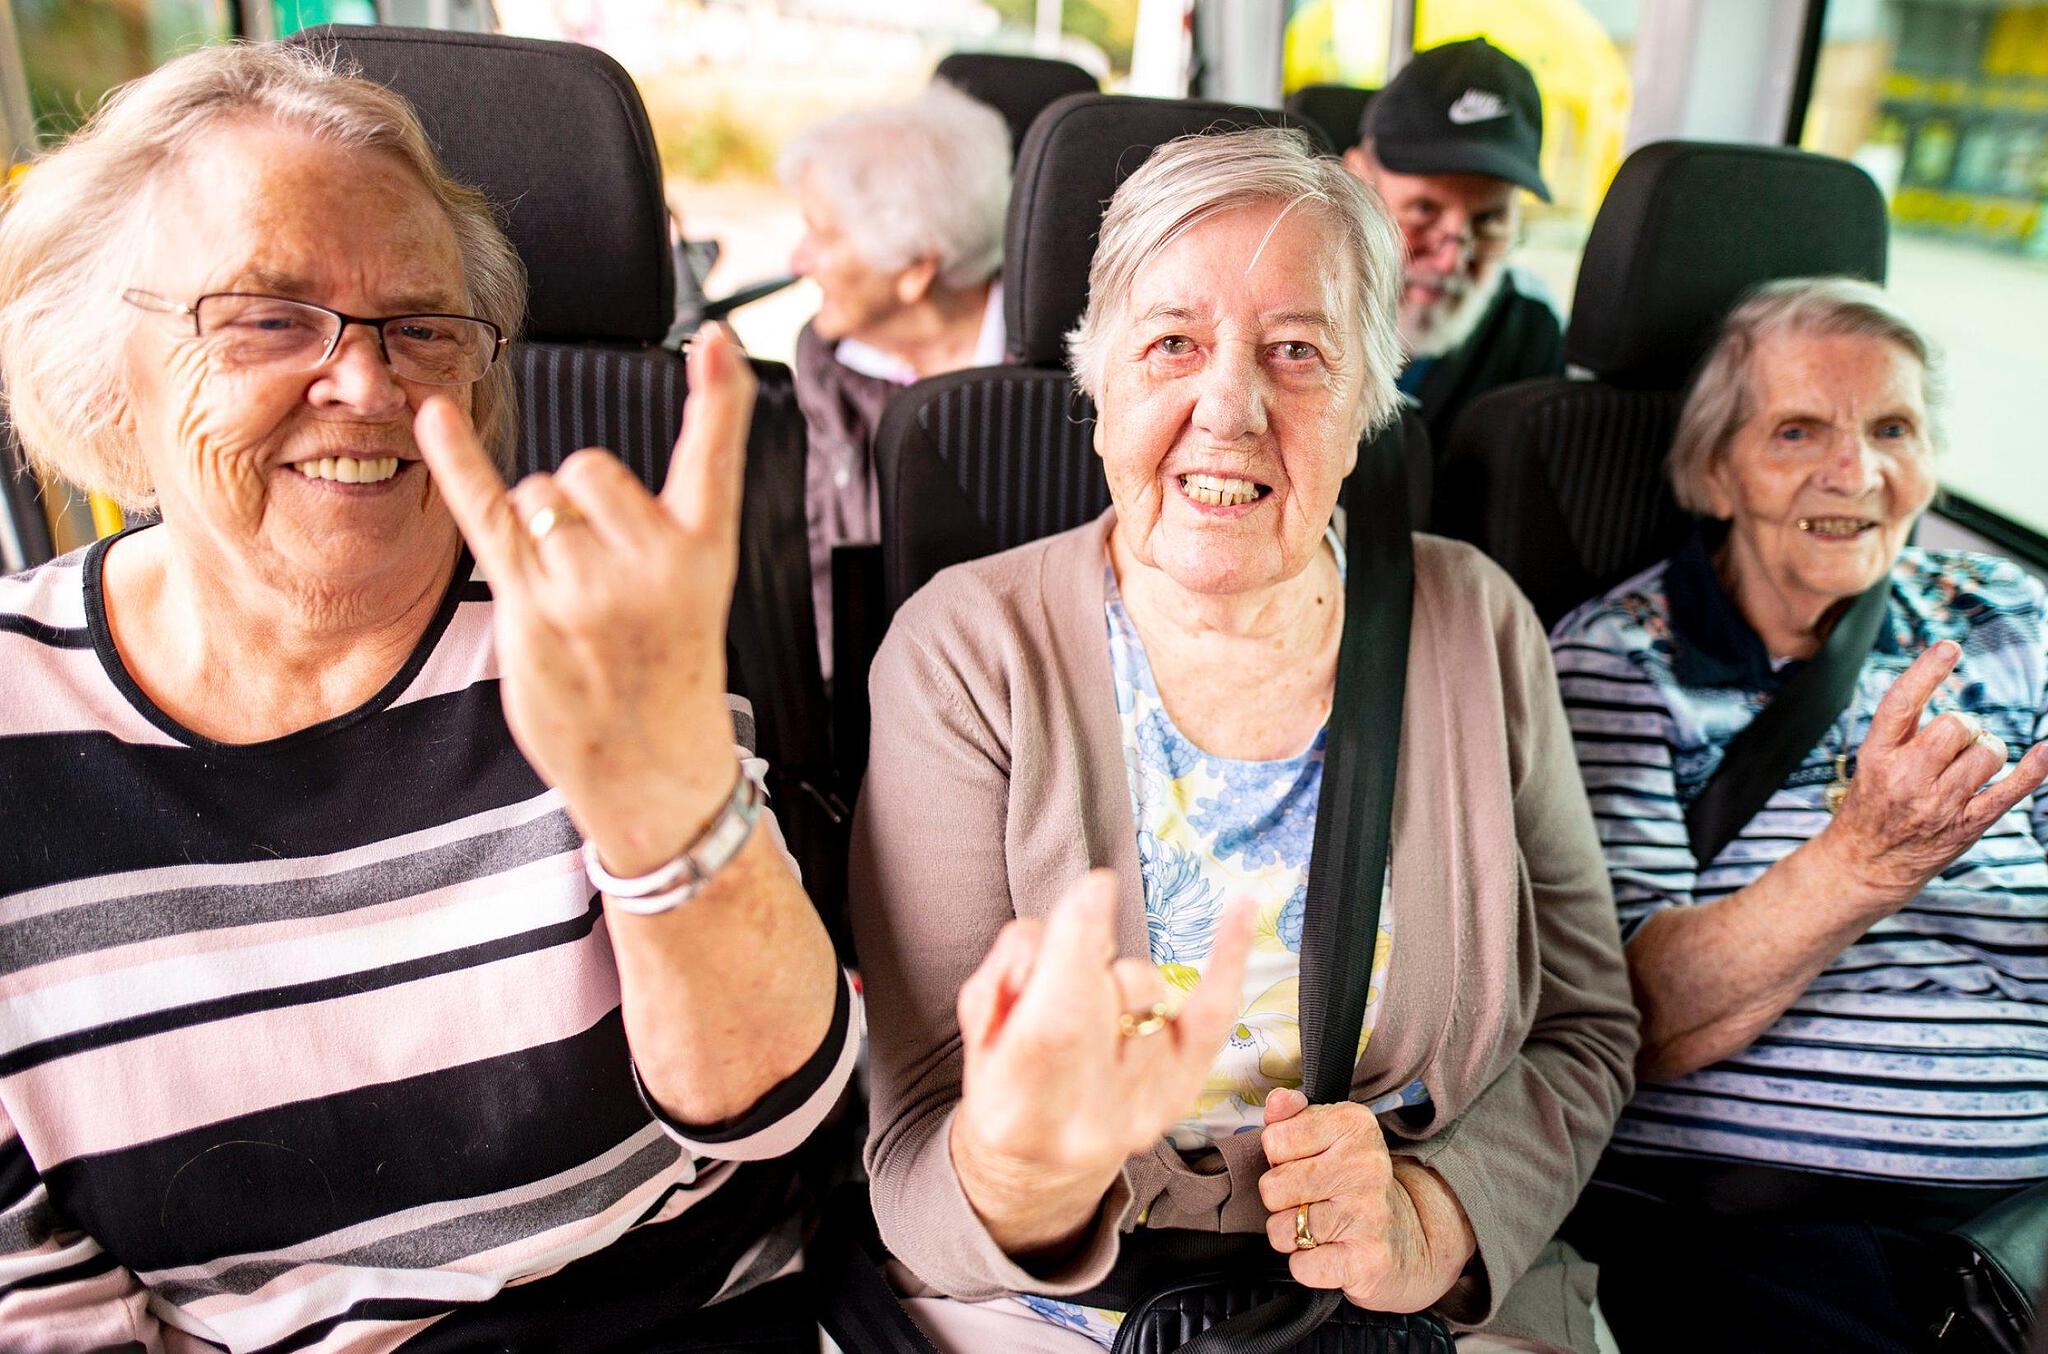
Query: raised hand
1055	1095
1919	799
611	606
1387	1232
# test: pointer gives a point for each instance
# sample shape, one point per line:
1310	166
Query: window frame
2012	537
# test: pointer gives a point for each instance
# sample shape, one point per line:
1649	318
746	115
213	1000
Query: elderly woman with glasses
1146	697
396	953
1845	1001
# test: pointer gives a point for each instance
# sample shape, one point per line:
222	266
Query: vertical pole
1045	38
1401	41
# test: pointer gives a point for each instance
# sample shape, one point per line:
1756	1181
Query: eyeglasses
1485	236
252	332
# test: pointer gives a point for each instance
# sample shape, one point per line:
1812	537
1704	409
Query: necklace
1836	790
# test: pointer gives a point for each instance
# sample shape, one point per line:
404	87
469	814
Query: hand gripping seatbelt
1347	868
1760	758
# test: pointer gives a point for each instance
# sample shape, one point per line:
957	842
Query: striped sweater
1920	1053
316	1044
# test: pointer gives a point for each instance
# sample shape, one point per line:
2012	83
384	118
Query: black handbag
1209	1293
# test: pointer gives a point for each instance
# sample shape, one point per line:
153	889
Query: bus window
1947	108
1579	51
726	87
1337	42
74	51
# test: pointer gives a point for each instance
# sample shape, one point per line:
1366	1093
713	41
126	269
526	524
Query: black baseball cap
1463	108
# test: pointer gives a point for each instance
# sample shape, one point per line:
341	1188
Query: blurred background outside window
1945	103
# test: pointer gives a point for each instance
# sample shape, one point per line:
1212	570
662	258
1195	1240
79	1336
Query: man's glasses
252	332
1485	236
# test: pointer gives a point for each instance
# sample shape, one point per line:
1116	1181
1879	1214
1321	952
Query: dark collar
1713	643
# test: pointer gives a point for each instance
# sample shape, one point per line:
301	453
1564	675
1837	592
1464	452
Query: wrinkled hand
611	627
1919	798
1054	1097
1388	1233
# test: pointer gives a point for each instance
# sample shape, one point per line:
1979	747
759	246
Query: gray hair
1721	399
1192	178
925	179
74	228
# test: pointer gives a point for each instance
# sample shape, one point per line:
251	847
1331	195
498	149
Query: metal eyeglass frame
163	305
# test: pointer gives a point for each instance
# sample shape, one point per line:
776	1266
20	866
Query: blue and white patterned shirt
1920	1053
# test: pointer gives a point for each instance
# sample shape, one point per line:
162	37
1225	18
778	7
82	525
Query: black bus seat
1561	480
581	197
1018	87
1338	110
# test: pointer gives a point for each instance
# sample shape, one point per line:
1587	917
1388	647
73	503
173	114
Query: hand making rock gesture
1919	799
611	607
1075	1061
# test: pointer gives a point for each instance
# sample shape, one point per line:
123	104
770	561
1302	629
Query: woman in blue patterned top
1845	1040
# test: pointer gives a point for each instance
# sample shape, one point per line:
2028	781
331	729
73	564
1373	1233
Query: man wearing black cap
1450	143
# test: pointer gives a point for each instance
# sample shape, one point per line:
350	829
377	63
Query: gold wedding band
1304	1240
547	519
1138	1024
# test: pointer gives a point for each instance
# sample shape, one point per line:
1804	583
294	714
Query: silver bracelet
671	885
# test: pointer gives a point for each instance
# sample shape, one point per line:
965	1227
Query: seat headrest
1077	153
1338	111
1018	87
1688	227
555	135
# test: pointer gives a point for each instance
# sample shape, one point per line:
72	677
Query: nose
1231	405
1851	466
1444	244
356	378
800	257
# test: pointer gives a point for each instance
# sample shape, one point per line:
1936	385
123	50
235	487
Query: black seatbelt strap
1347	869
1762	756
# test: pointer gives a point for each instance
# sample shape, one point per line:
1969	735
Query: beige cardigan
997	776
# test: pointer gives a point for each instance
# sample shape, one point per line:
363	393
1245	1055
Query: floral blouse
1212	830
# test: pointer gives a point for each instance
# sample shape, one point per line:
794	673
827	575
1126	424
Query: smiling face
1822	484
1232	401
308	479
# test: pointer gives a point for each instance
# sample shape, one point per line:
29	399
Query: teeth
1834	526
350	469
1217	492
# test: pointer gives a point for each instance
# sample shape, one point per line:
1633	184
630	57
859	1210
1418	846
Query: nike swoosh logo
1476	105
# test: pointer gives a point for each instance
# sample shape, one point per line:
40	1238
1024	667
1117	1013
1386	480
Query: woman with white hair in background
1142	704
1844	981
903	213
394	952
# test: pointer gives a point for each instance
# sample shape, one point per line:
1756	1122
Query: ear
1359	163
915	283
1720	486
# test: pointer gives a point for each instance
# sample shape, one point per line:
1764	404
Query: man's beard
1433	328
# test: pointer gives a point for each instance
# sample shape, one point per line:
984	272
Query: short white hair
74	227
1721	399
925	179
1192	178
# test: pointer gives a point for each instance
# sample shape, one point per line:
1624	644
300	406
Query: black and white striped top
315	1044
1920	1053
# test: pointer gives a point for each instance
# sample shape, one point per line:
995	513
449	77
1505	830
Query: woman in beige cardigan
1145	698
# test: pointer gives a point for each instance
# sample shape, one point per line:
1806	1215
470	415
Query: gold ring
1304	1240
1138	1024
547	519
